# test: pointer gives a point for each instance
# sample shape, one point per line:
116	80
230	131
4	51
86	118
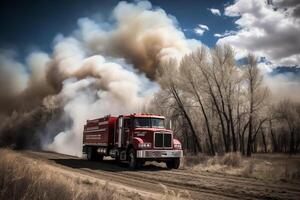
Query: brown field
25	178
272	167
47	175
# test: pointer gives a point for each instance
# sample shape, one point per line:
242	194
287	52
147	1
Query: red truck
135	138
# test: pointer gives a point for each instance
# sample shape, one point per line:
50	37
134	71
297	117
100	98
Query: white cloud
200	29
227	33
266	31
203	27
215	11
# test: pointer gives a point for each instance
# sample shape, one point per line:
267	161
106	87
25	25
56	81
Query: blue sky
34	24
191	13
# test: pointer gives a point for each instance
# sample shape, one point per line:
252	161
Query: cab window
142	123
127	123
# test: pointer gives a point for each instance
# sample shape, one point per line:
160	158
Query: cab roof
144	115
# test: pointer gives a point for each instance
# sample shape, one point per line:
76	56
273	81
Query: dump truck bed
99	131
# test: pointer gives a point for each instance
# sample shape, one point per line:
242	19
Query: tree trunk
243	138
227	133
264	140
292	138
189	121
249	143
212	149
234	145
216	104
239	125
218	110
292	143
186	138
274	142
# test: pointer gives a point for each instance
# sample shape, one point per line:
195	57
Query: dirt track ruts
202	185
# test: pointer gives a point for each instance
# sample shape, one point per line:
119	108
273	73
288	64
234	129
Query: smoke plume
101	68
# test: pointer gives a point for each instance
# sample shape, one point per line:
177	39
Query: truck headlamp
145	145
177	146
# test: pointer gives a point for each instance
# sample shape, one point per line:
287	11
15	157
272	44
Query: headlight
145	145
177	146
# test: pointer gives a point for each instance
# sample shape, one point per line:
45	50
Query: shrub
231	159
191	160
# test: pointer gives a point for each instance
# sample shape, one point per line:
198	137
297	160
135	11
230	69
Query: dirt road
190	184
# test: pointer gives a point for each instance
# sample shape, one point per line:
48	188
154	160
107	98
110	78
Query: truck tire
133	161
92	154
99	157
173	164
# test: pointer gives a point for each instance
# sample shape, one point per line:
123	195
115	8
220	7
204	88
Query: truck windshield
149	122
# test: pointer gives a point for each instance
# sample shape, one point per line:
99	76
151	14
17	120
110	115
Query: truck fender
136	141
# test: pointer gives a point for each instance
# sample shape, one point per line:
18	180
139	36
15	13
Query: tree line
217	106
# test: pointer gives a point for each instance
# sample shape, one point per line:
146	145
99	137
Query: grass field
274	167
22	178
30	179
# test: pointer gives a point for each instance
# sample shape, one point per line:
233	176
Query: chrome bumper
159	153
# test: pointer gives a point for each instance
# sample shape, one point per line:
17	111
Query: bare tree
257	94
219	106
288	112
192	82
226	79
168	79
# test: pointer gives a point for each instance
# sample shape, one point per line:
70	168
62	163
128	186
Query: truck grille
163	140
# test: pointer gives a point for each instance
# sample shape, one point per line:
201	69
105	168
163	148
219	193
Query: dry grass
29	179
275	168
173	195
22	178
286	171
192	160
229	160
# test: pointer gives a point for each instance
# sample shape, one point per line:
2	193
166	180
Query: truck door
127	127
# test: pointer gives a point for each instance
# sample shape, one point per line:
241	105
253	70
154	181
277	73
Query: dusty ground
155	180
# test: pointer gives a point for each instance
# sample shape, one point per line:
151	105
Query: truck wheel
133	161
90	154
173	164
99	157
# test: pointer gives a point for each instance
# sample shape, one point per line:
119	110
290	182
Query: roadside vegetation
22	178
275	167
29	179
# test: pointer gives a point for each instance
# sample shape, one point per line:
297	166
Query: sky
269	29
34	23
